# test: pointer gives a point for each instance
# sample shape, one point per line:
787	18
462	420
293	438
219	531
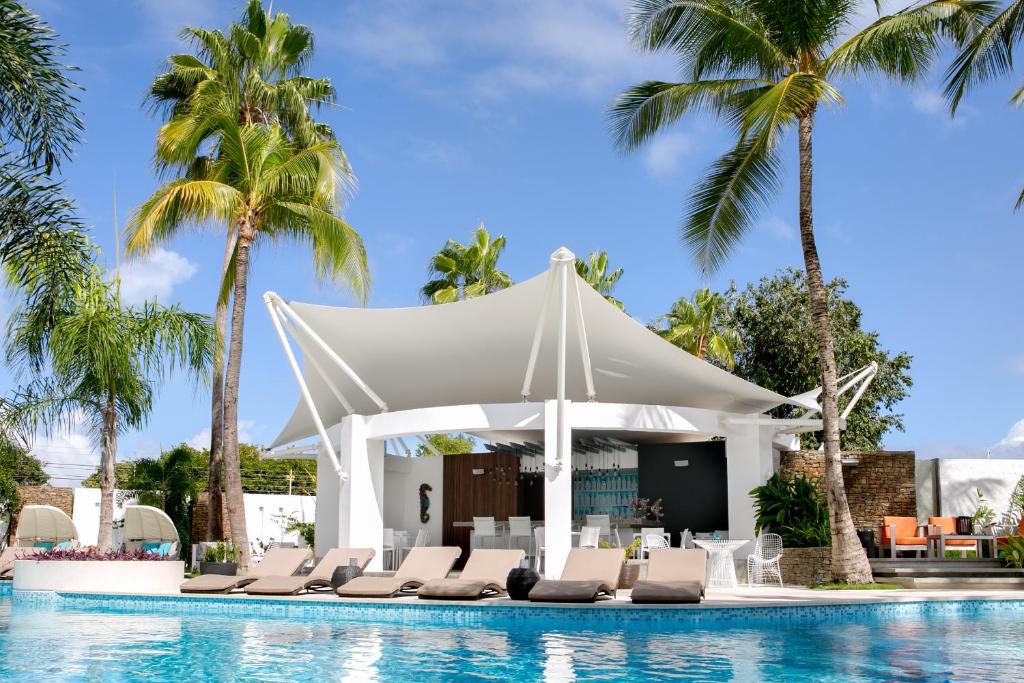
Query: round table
721	566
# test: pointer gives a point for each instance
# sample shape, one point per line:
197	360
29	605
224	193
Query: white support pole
581	328
405	447
319	369
557	494
303	388
866	378
361	498
538	332
356	379
748	463
429	446
563	306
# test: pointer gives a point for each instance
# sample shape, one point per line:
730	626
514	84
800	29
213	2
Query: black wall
694	496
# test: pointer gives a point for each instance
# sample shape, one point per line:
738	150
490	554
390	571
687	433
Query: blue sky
455	113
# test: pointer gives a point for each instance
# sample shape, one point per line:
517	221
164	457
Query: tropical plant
698	326
93	555
778	352
271	191
107	362
595	271
794	508
10	502
1015	510
446	444
24	468
984	516
221	552
306	529
254	72
765	67
171	482
1011	551
986	55
465	271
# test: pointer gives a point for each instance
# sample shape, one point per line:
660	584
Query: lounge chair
277	562
674	575
420	565
485	573
10	554
946	526
903	533
588	573
319	578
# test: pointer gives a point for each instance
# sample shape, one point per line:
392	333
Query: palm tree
465	271
696	327
988	54
107	362
595	271
765	67
272	191
254	69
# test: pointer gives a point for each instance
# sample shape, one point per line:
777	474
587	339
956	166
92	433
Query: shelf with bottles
606	481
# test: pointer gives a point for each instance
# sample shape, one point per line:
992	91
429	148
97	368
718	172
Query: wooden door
477	485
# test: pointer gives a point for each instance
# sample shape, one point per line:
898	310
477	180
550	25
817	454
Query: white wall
959	480
85	513
402	480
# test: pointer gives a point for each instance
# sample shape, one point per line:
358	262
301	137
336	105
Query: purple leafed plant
92	555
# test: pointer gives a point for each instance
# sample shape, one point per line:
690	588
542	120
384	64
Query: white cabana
537	362
143	523
44	524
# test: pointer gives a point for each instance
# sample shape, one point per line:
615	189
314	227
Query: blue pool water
72	644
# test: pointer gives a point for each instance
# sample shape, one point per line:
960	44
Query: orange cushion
912	540
905	526
961	542
947	525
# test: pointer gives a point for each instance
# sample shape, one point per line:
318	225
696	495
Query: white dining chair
604	523
422	540
539	548
483	528
686	539
763	564
655	541
388	549
590	537
519	528
647	533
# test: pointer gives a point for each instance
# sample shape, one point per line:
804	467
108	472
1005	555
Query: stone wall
804	566
201	518
61	498
878	484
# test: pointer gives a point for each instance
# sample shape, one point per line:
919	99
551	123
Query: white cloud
1017	363
780	228
928	101
573	47
664	155
154	276
69	455
201	439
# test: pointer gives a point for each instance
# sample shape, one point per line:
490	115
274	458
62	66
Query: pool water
54	644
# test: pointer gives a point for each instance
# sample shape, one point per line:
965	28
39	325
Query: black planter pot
222	568
344	574
520	581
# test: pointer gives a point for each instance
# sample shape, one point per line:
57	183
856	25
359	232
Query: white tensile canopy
45	523
145	523
500	348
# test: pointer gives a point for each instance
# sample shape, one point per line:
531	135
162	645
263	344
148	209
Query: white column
557	491
748	452
327	492
360	500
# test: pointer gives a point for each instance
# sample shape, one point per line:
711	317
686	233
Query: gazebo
542	362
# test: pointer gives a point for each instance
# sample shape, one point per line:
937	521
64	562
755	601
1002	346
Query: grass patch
829	586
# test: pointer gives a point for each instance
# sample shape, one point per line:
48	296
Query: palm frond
988	53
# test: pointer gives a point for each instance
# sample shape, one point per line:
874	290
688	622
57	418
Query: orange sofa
902	533
946	526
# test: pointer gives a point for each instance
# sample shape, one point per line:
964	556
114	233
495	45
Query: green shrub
1012	551
793	508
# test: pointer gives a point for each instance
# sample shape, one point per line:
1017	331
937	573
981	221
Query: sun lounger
485	573
277	562
420	565
9	555
319	578
588	573
674	575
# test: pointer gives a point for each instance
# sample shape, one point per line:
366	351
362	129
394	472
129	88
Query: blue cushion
165	548
64	545
43	544
151	547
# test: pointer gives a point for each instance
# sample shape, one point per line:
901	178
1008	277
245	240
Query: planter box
804	566
139	577
221	568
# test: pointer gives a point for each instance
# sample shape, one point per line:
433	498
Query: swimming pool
917	644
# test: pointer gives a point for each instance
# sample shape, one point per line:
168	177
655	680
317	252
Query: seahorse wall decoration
425	502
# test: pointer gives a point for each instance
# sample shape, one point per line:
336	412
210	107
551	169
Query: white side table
721	566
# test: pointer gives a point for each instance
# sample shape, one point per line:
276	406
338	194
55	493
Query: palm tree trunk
849	561
232	461
215	488
108	454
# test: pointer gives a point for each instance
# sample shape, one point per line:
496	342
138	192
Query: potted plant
630	570
219	559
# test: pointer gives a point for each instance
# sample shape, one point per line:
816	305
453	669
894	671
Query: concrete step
958	583
948	571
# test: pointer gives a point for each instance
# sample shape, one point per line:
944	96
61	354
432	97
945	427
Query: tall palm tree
696	327
465	271
765	67
107	362
988	54
273	191
595	271
254	69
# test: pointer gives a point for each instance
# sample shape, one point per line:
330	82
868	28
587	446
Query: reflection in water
68	645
